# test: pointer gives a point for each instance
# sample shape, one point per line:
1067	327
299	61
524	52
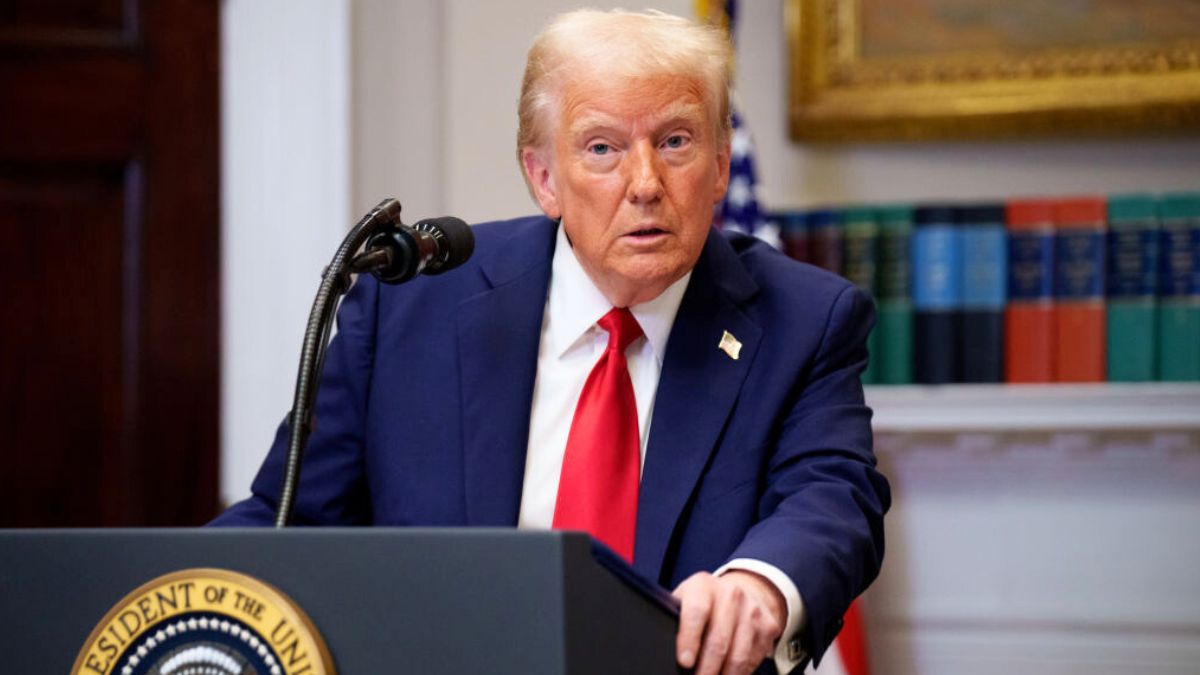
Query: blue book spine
1078	265
1031	267
937	295
1133	260
984	281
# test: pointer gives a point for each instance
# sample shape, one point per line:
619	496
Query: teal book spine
1132	289
1179	292
860	243
894	326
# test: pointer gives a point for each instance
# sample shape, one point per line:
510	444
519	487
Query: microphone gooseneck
399	254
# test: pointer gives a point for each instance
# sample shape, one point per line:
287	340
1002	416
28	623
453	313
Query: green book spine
1179	339
1132	341
894	329
1179	289
1132	317
860	241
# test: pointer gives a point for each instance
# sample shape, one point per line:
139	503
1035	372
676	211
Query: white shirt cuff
788	654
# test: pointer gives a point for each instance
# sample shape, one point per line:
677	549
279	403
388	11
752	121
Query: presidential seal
204	621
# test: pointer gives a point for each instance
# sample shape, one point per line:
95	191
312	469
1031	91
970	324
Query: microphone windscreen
459	241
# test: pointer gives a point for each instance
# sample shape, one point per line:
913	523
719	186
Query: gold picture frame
856	74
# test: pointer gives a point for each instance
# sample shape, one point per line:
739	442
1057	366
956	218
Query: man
618	366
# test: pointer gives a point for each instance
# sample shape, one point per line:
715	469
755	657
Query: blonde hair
627	43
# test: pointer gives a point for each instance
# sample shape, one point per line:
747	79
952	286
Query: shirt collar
575	304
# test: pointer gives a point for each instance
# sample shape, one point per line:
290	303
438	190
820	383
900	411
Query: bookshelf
987	408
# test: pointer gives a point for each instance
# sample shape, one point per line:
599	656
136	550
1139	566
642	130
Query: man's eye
676	141
599	148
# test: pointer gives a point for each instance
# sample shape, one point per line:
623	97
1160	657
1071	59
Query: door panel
109	262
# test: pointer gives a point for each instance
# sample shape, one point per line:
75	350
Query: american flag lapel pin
730	345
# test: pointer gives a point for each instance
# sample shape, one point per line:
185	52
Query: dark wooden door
109	245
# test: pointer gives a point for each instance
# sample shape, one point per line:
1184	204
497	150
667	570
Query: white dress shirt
569	347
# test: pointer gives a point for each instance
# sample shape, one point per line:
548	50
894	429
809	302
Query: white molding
1151	407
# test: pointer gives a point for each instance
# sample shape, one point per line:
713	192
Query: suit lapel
498	333
697	390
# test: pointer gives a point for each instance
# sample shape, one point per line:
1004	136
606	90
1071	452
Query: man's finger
695	597
726	612
743	651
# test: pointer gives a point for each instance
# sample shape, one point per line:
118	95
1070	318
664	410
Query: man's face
634	168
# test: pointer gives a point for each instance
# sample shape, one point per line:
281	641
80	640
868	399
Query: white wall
399	100
285	184
329	106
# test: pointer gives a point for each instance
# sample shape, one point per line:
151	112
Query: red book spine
1029	338
1029	318
1079	319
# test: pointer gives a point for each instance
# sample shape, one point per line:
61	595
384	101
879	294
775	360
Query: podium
385	600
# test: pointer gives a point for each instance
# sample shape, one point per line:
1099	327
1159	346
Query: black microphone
400	252
394	252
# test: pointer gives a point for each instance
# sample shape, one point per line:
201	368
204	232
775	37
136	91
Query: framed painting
935	69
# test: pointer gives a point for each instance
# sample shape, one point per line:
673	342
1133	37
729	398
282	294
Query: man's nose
645	174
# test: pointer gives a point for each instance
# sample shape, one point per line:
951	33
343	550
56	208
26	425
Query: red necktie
601	471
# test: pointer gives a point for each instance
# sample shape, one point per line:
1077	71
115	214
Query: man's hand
728	624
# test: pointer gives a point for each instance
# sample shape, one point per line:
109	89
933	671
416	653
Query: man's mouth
647	232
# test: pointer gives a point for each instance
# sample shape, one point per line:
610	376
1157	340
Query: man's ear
724	152
541	182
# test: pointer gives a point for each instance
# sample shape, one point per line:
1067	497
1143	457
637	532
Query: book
1131	289
793	231
1029	316
984	291
860	243
1179	291
825	240
937	295
1079	323
894	325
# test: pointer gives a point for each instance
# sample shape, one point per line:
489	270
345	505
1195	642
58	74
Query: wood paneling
71	108
62	276
68	23
108	263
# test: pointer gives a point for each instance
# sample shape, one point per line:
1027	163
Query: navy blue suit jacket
423	416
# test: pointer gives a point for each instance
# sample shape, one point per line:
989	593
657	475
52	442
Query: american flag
741	208
848	653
